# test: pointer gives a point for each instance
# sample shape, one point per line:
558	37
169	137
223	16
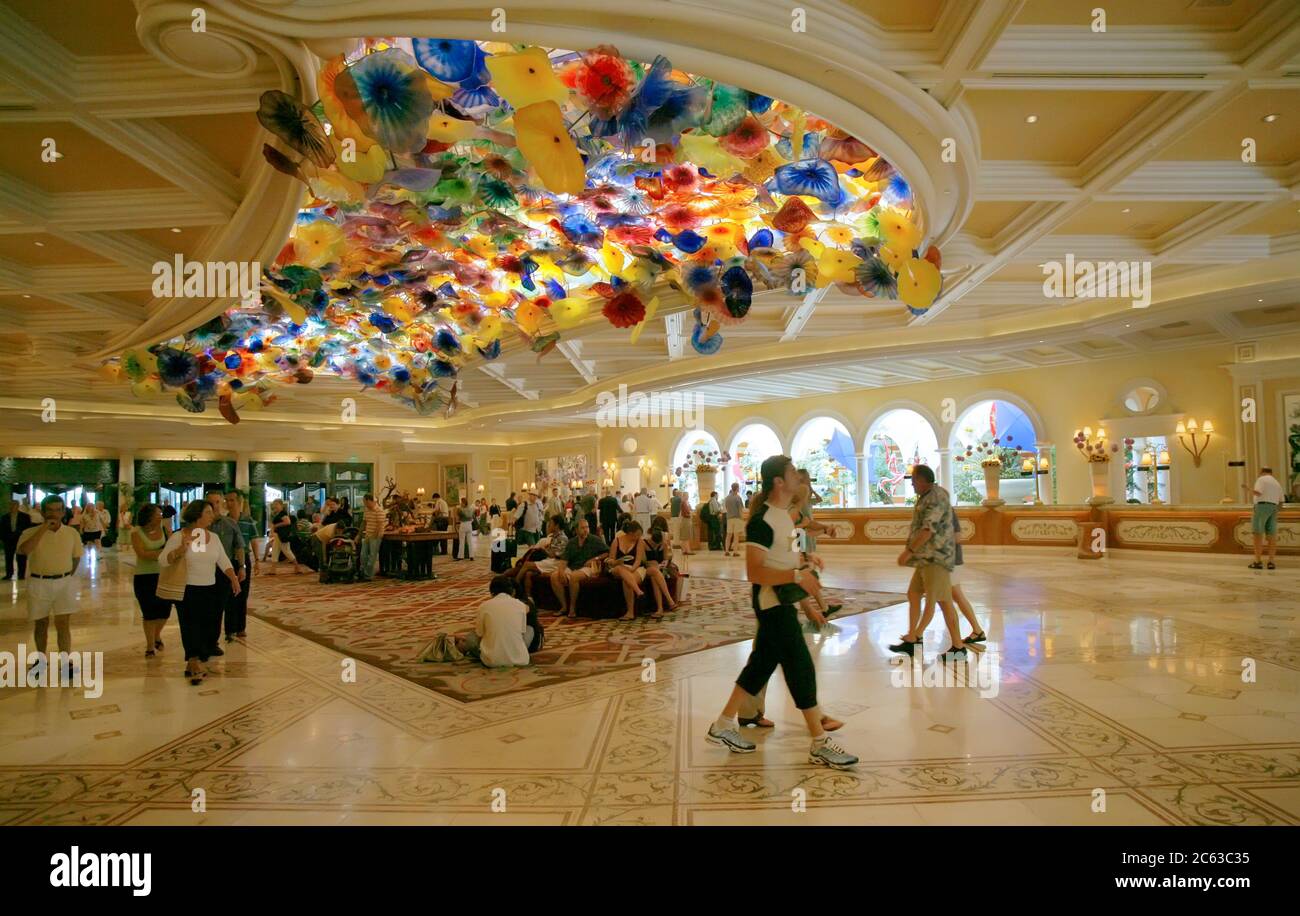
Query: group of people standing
204	569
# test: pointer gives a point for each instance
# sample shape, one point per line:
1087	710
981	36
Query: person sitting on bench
583	559
505	628
545	557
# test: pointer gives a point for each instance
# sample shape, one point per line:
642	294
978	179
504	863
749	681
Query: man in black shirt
508	520
582	560
609	509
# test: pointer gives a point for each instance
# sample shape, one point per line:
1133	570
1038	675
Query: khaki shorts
735	526
932	580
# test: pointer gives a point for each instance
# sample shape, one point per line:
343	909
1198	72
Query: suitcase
502	558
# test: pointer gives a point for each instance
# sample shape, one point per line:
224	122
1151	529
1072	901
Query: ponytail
771	469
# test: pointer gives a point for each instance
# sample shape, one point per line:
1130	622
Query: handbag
442	649
171	578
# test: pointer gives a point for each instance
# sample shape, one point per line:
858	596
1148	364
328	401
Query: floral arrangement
1097	451
702	460
990	452
464	197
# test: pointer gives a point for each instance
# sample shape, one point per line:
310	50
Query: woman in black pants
774	569
202	555
147	539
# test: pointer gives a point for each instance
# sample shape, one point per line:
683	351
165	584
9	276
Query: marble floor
1140	689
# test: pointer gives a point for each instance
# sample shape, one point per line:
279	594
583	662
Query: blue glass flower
815	177
737	291
702	346
395	95
449	59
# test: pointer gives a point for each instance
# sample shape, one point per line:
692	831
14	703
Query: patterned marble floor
1115	684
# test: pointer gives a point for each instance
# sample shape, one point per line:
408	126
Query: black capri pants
198	613
146	595
780	641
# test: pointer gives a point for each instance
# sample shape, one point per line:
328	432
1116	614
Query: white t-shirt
502	621
773	533
205	556
57	552
1270	491
643	504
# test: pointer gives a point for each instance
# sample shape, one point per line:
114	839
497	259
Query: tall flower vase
992	486
1100	483
707	481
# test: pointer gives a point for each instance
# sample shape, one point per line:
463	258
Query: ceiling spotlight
1031	119
40	244
1270	118
175	229
1259	300
1126	210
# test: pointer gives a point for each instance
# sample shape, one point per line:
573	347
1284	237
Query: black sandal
149	653
158	644
1256	566
973	638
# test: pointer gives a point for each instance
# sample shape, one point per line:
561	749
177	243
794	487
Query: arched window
825	449
696	440
897	440
749	447
991	428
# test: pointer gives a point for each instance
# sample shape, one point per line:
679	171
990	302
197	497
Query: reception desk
1189	529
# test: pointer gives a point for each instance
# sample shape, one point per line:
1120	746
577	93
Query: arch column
945	469
860	492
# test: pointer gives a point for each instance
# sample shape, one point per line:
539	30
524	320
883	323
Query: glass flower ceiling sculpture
462	193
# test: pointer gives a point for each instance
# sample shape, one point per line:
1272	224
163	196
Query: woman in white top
125	521
197	612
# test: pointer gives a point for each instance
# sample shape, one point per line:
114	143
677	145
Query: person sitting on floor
545	557
505	628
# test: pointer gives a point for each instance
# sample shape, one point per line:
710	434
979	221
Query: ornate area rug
387	623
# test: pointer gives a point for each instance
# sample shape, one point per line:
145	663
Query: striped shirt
376	520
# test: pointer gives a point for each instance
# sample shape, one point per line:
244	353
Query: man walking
375	519
1268	496
735	507
227	532
931	551
609	509
53	552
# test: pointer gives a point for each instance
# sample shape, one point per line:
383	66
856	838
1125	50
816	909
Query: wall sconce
419	491
1190	429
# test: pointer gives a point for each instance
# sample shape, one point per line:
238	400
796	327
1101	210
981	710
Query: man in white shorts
53	551
735	507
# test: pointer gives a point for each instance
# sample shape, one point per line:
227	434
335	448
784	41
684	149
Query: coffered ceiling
1121	145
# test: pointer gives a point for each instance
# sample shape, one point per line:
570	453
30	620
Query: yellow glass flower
918	283
335	187
893	258
399	308
529	315
705	151
838	233
570	312
899	231
317	243
526	78
490	328
447	129
366	165
650	308
545	143
836	266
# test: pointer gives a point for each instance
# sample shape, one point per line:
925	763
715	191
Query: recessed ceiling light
1032	119
175	229
1259	300
1126	210
40	244
26	296
1270	118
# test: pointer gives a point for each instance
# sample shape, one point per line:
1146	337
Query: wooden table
409	555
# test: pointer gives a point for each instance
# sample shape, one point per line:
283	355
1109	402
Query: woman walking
200	554
147	540
779	582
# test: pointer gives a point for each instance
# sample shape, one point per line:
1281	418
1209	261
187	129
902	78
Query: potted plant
1097	454
704	464
992	458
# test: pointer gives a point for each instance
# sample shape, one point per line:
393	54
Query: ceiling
1134	153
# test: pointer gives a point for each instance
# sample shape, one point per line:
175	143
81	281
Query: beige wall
1063	399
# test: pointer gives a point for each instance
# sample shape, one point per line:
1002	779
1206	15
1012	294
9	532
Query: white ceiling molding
572	351
798	314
